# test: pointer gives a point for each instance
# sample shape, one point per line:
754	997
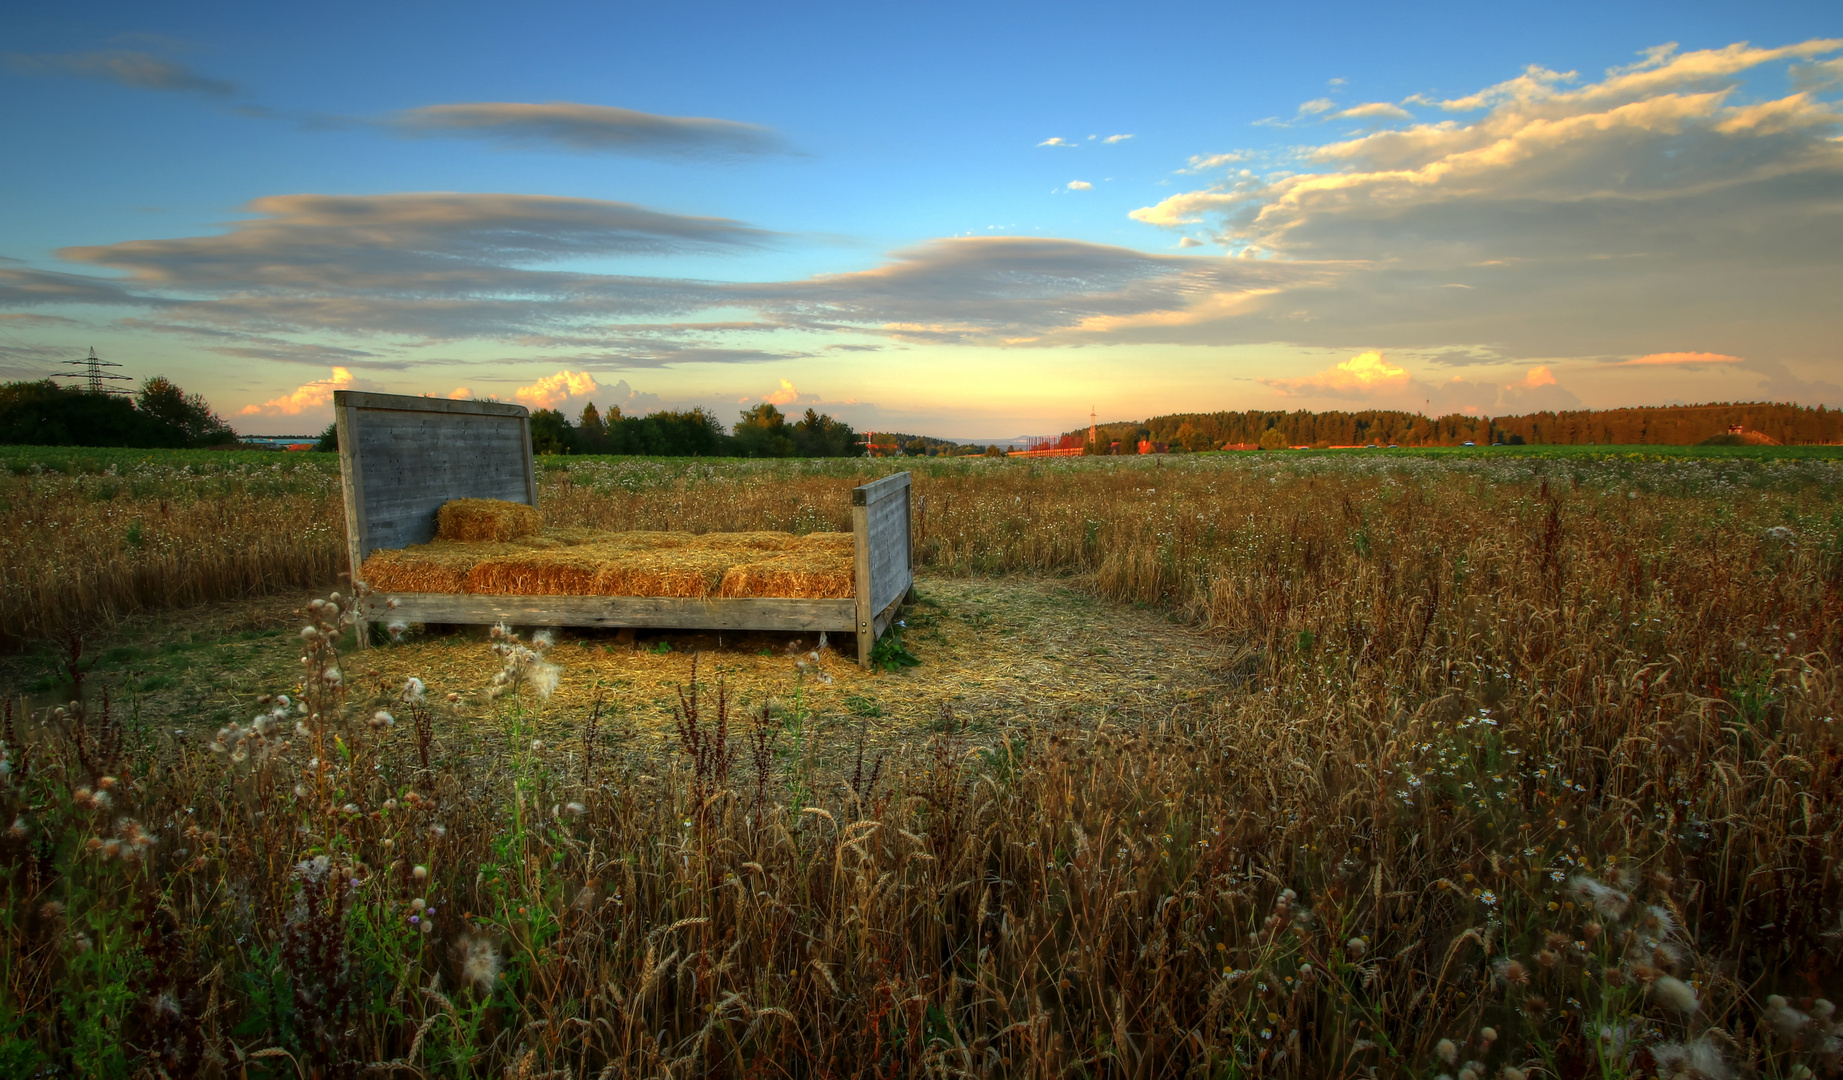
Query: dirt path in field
997	652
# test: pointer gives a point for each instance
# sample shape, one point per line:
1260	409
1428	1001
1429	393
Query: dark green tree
189	413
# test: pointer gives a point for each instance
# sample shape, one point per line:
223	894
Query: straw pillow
485	519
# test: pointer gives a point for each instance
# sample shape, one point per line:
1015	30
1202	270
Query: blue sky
915	218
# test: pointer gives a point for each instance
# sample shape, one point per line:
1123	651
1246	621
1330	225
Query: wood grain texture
640	612
407	463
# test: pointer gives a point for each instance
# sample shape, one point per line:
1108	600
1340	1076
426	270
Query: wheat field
1516	766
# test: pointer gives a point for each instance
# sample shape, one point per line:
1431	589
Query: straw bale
438	567
810	575
485	519
582	562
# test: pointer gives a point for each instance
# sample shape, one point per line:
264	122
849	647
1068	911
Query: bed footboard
885	574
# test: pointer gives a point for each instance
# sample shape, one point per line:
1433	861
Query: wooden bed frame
401	458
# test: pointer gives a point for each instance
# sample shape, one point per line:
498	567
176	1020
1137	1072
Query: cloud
1116	138
1316	106
313	395
1363	372
1537	391
1671	198
587	129
460	393
1680	359
141	70
1057	140
786	395
553	390
1080	185
1539	376
1189	242
1205	162
1374	110
28	319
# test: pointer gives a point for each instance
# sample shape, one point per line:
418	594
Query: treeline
158	416
759	432
1671	425
896	444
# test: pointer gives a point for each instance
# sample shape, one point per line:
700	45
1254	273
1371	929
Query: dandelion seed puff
1356	946
480	964
111	848
1448	1051
313	870
542	678
421	873
1699	1059
101	800
1675	994
574	809
1605	899
1822	1009
308	633
413	688
1511	1072
544	639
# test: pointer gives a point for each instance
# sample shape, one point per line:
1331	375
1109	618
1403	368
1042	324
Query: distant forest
1672	425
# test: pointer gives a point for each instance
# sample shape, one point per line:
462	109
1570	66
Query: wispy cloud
1116	138
603	129
141	70
1680	359
1205	162
1080	185
1057	140
1374	110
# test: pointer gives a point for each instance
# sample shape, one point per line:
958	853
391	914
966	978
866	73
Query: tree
818	435
189	413
591	432
1273	439
551	433
762	432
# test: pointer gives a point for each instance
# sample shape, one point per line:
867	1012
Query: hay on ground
485	519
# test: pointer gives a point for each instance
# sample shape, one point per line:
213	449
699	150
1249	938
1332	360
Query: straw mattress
582	562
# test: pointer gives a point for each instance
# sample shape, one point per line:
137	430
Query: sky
971	221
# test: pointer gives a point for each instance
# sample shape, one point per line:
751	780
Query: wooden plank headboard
401	458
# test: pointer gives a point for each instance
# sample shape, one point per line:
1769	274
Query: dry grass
1525	763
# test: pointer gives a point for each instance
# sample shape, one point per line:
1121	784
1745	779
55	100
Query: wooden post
860	525
352	486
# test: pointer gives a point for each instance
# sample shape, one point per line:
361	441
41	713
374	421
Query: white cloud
1316	106
1189	242
1080	185
553	390
1375	110
1056	140
313	395
1116	138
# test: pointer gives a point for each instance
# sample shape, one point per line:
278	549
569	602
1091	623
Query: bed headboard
401	458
